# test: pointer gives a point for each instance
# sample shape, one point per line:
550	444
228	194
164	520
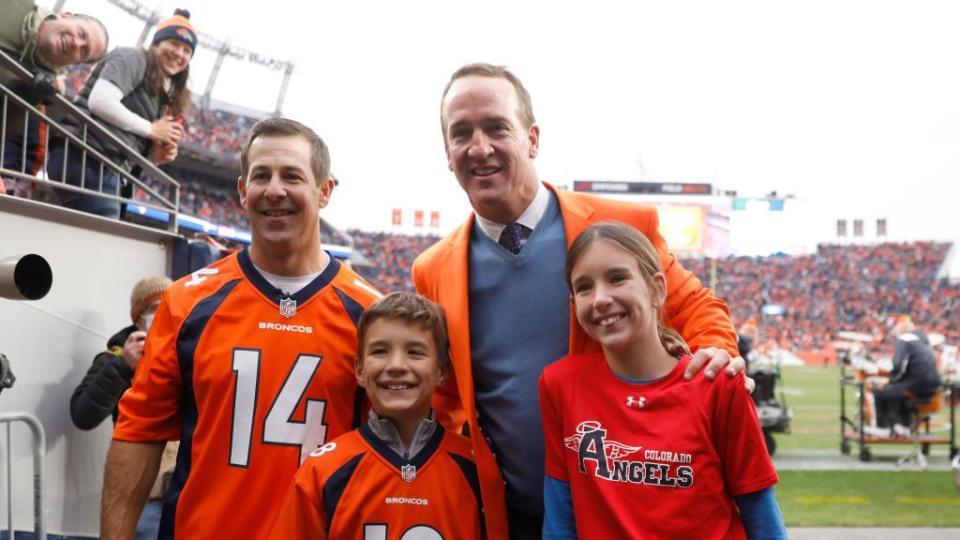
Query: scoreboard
693	220
653	188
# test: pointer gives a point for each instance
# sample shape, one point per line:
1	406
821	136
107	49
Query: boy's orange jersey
357	487
250	381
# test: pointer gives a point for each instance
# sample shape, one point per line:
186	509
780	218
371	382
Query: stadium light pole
283	87
221	54
148	25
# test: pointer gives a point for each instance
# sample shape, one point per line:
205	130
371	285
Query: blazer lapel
454	295
576	213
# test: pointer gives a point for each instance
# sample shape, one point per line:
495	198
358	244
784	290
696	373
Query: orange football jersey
250	381
357	487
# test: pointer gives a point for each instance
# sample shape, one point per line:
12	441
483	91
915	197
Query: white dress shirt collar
529	218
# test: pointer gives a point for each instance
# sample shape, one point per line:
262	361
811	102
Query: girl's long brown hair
635	243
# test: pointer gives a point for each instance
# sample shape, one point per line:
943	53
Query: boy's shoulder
458	444
351	284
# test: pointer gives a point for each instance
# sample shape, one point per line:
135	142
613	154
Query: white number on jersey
200	276
278	428
417	532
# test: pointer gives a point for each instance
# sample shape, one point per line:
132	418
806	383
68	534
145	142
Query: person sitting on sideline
914	377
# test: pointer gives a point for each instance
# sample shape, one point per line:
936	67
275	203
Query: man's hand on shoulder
716	359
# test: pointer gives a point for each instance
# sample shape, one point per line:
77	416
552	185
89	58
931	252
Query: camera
26	277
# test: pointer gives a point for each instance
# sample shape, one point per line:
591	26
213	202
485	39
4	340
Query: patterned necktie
510	238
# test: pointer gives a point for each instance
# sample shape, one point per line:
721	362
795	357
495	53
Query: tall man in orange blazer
500	279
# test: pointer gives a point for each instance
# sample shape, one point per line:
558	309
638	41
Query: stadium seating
841	287
858	288
390	257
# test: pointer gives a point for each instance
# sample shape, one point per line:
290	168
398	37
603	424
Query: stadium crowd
855	288
839	288
389	257
199	198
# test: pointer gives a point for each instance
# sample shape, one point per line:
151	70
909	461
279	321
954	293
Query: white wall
51	343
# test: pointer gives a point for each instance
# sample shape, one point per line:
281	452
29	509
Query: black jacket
915	364
101	388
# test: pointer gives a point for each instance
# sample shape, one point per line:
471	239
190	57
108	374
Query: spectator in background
914	377
43	43
109	377
39	39
138	94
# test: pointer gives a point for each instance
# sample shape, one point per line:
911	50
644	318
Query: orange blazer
440	273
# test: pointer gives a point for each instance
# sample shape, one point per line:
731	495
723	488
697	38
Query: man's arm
97	395
900	356
700	317
691	309
446	396
130	471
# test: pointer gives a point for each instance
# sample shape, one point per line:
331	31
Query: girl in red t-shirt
635	450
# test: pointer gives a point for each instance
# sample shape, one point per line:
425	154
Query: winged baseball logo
611	449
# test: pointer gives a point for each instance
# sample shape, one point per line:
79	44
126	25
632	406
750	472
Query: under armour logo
636	402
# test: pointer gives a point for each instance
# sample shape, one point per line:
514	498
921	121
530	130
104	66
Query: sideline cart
857	374
772	410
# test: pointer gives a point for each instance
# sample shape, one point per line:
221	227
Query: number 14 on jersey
278	427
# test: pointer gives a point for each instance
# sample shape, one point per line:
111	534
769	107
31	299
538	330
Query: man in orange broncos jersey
249	362
401	475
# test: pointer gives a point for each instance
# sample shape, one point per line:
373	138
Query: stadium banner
418	218
397	217
434	219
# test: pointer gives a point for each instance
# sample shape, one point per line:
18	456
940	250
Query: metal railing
39	444
12	104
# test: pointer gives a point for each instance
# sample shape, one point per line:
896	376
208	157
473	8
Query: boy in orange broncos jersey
400	473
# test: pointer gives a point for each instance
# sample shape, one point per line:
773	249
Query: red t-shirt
357	487
656	460
250	383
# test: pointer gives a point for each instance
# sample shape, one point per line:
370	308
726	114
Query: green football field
819	486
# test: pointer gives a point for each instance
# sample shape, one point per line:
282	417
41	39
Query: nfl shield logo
408	473
288	307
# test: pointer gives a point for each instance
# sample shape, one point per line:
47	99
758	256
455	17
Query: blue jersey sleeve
761	515
558	522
